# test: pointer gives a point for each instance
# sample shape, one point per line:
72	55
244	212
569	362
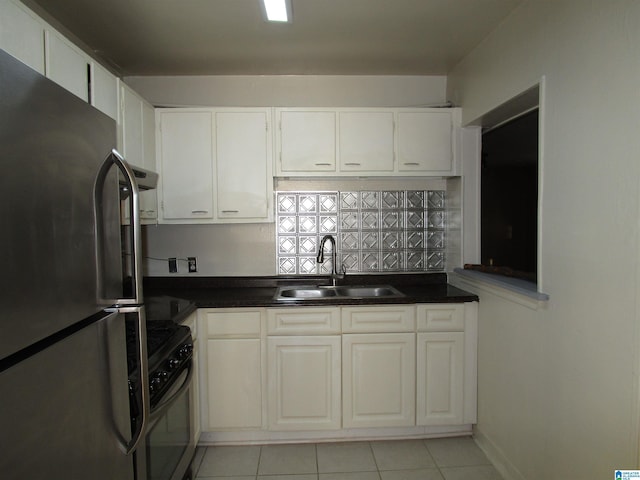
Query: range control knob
185	351
154	383
173	363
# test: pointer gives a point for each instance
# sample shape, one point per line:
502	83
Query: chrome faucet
334	267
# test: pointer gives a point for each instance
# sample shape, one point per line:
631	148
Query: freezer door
65	410
52	145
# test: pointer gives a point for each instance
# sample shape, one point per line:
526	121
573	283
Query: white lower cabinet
341	372
192	321
378	379
304	382
440	378
234	379
232	372
303	368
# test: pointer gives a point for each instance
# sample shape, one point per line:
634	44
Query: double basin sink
333	293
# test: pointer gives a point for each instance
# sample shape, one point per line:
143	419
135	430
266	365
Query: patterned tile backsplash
375	231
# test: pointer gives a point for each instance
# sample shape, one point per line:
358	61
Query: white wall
292	90
239	250
558	386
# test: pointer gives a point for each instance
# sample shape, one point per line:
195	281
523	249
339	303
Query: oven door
168	447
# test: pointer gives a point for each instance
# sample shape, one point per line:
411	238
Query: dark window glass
509	195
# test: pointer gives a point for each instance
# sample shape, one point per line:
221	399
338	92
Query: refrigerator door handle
135	235
141	353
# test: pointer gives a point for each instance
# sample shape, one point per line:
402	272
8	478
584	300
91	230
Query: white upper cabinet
366	142
104	90
306	141
22	34
66	64
244	178
185	153
38	45
131	120
137	122
425	141
215	165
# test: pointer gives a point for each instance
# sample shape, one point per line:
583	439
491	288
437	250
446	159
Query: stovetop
163	337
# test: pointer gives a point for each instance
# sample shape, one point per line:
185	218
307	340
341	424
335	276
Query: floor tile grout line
425	443
258	464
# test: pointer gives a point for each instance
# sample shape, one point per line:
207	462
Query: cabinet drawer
304	320
440	317
376	319
243	322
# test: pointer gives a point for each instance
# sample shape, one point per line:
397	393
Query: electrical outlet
173	265
193	266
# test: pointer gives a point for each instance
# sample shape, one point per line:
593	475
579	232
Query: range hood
146	180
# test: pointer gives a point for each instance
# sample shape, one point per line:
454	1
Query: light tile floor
435	459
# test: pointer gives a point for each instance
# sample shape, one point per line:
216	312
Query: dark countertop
166	307
177	297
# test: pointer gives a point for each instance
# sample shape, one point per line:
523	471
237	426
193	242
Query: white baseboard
497	458
357	434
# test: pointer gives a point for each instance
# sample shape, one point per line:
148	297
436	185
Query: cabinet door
243	164
304	382
186	156
378	380
132	127
192	322
307	141
424	141
234	383
440	378
149	198
137	119
195	394
66	64
366	141
104	90
22	34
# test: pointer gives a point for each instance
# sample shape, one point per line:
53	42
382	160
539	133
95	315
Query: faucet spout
320	258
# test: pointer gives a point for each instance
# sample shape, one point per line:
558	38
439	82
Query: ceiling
326	37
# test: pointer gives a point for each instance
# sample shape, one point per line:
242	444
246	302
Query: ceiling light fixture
277	10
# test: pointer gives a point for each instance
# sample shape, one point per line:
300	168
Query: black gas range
169	351
168	444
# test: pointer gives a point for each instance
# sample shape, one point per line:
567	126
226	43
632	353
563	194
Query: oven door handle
161	407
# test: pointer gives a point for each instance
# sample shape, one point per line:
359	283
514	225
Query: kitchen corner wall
558	385
250	249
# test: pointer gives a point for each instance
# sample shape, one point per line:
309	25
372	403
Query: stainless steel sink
329	292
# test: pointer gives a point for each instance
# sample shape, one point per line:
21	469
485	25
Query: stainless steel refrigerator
64	398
